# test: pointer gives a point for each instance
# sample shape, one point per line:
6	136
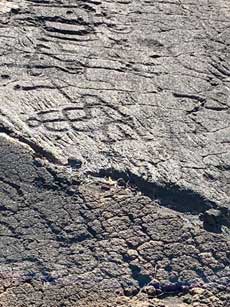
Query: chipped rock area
114	153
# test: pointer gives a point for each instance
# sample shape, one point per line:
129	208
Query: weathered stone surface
65	238
114	153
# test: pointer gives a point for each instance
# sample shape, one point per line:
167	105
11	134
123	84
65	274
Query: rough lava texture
114	153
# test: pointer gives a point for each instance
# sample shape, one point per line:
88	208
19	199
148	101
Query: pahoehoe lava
114	153
167	195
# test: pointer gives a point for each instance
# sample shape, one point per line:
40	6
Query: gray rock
114	140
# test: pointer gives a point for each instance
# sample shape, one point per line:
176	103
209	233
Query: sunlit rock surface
114	153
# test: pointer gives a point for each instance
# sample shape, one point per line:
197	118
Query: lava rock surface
114	153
